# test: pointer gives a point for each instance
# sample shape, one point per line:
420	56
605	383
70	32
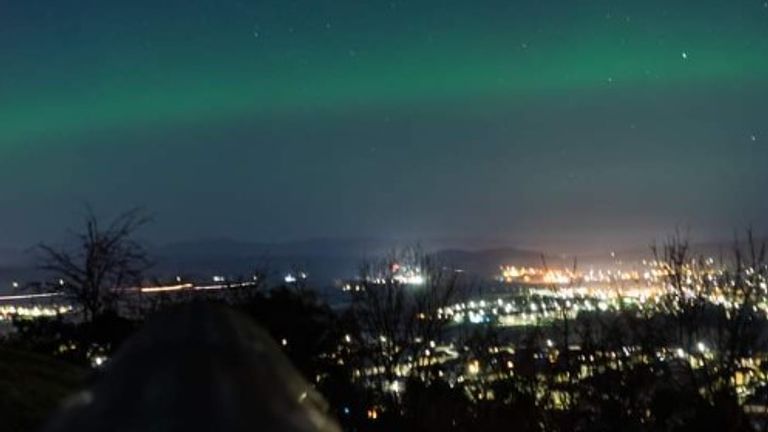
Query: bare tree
398	321
716	312
684	295
104	261
740	324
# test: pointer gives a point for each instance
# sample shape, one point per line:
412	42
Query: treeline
392	360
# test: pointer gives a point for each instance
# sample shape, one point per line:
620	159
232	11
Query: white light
394	387
476	318
417	280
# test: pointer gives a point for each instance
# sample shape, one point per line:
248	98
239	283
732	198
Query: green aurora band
240	73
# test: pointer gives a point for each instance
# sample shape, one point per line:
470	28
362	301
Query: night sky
551	123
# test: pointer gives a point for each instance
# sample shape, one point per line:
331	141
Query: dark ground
32	387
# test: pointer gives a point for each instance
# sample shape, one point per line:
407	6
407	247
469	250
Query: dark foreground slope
32	387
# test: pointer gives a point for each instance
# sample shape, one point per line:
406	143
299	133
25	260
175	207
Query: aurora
524	110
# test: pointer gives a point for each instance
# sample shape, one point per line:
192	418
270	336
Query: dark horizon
563	248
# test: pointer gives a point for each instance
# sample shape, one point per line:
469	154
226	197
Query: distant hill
324	259
722	251
486	262
228	248
327	260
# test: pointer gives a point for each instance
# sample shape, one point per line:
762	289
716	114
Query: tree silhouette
105	261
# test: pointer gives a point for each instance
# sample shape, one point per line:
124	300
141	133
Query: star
684	55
